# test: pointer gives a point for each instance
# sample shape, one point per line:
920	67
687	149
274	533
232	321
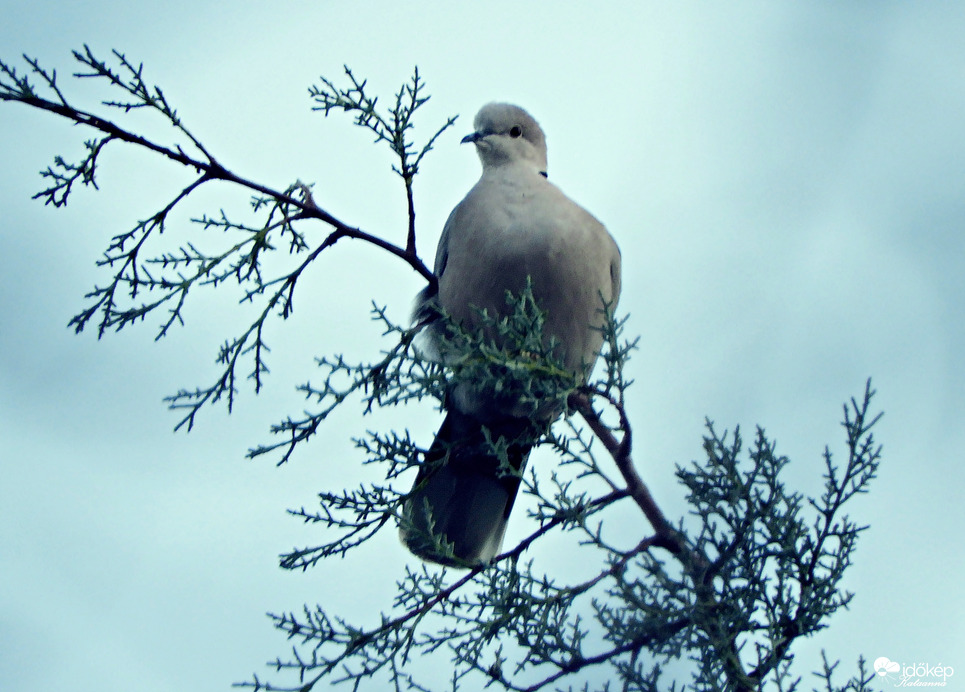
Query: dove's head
507	134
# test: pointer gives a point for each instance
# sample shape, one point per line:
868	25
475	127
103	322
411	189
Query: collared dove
513	224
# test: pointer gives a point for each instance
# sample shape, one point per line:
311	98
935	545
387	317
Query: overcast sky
786	181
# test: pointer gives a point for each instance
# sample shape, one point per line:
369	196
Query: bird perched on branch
513	230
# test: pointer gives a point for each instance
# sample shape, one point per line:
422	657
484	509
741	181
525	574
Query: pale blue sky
786	181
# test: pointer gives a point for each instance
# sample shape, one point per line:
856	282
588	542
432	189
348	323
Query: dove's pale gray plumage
513	224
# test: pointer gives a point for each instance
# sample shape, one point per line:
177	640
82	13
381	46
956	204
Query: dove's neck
516	171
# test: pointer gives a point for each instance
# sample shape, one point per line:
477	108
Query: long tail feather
462	496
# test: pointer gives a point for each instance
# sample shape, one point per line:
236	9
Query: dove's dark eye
517	131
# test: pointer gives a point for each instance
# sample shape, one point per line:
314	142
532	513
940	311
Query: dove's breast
502	234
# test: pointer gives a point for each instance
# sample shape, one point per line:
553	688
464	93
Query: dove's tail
465	490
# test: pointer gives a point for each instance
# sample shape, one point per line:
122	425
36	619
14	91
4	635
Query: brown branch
620	451
212	170
444	594
666	536
632	647
410	236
